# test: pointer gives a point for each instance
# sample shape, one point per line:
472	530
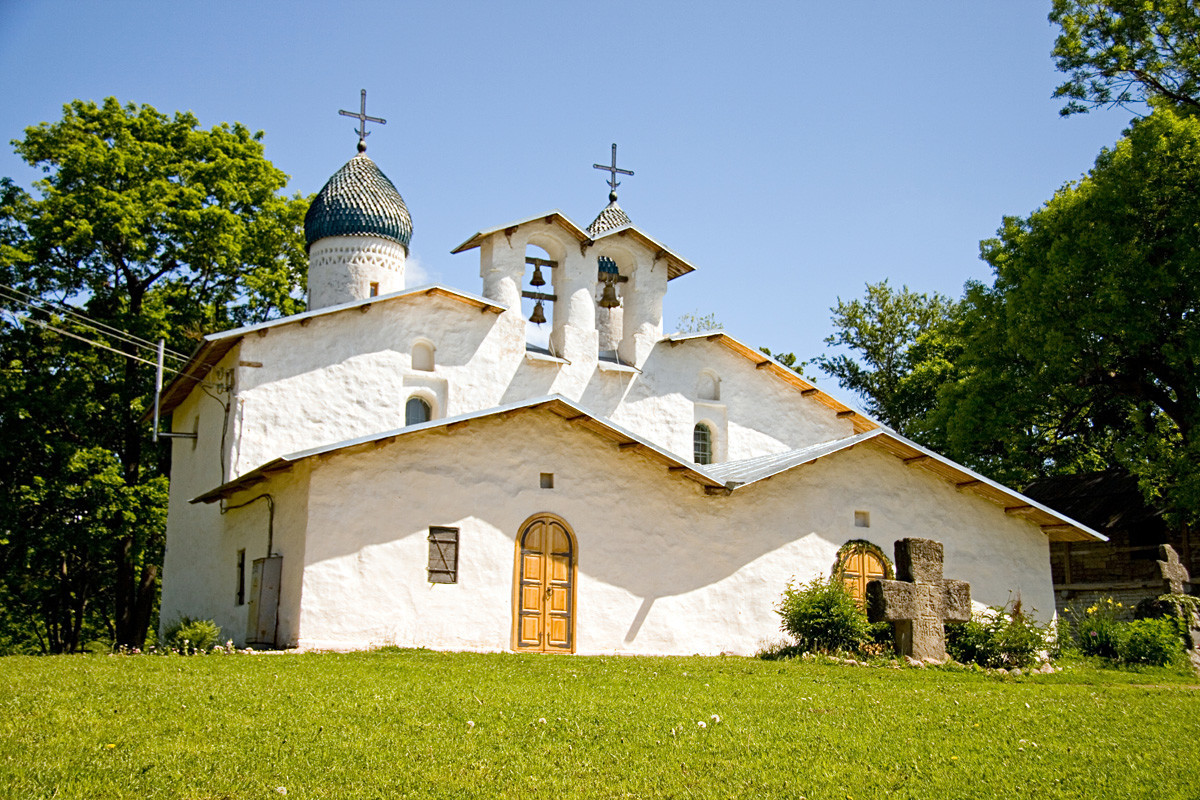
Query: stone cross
1174	574
612	180
920	600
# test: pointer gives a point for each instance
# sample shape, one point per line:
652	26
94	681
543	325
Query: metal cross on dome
363	119
613	170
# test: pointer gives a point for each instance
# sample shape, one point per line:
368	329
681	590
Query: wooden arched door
544	596
859	563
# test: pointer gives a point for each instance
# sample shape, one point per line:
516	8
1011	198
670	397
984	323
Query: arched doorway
544	586
860	562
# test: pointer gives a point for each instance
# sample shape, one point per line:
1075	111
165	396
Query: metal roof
358	200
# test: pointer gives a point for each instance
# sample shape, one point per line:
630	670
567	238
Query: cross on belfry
363	119
612	180
920	601
1174	574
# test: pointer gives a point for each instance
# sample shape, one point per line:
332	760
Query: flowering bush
1098	629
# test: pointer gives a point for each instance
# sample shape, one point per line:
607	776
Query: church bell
608	298
538	316
537	279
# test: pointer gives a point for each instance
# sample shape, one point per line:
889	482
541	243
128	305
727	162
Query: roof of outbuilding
358	200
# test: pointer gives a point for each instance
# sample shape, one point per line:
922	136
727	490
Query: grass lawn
393	723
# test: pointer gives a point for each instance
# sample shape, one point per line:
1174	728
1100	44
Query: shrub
823	616
188	635
1154	642
998	637
1098	630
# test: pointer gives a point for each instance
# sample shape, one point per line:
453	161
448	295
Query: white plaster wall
662	567
342	269
189	567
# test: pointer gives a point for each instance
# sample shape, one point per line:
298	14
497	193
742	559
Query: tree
902	343
1118	52
1085	349
156	227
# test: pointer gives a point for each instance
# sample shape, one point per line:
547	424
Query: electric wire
37	304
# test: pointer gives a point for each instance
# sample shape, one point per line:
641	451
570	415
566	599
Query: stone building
399	465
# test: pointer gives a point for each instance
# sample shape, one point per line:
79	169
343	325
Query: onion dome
611	217
358	200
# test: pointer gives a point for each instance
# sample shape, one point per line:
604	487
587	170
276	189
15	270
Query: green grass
394	723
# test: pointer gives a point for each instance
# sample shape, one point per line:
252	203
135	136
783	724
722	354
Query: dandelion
541	720
281	789
110	747
470	724
702	724
715	718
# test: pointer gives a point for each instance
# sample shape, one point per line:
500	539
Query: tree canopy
147	225
1121	52
898	342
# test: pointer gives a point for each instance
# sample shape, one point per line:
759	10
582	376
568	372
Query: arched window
702	444
422	356
860	562
417	411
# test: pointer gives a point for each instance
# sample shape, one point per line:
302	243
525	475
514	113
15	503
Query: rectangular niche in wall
862	519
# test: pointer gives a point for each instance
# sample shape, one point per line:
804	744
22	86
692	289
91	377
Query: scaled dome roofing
358	200
611	217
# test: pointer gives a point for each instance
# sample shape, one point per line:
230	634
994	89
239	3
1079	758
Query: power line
36	304
85	340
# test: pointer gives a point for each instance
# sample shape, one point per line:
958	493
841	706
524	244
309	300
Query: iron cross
363	119
612	181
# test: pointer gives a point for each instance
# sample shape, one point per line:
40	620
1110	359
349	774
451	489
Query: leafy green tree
156	227
902	345
1085	349
1118	52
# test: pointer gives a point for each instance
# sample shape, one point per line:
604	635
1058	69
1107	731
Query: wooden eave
216	345
676	265
554	217
621	439
860	422
1057	527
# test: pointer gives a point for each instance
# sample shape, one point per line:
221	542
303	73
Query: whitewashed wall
663	568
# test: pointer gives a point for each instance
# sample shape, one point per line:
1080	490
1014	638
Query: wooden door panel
544	591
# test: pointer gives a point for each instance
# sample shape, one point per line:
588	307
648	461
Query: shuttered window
443	555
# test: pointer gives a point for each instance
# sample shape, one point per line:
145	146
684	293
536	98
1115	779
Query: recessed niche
547	480
862	519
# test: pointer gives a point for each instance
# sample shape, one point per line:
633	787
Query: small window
443	555
422	356
241	577
417	411
374	289
547	480
702	444
862	519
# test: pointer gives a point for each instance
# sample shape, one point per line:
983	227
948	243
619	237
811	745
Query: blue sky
792	151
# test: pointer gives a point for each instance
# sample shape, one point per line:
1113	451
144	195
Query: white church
398	465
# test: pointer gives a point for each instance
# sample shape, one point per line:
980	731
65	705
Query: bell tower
357	230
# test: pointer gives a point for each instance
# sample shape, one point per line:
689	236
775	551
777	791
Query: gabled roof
676	264
716	479
1057	526
556	404
860	421
216	345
